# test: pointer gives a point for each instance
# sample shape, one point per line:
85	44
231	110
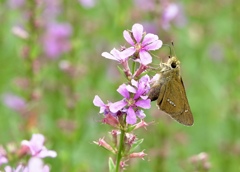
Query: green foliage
207	46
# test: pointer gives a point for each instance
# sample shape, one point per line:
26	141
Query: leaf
111	165
136	144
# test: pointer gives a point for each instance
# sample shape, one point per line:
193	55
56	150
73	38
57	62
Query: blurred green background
58	90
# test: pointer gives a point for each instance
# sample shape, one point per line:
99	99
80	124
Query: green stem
133	67
120	150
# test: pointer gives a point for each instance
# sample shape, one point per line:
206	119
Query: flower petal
145	57
131	116
140	114
114	107
131	89
97	101
134	83
137	30
145	104
116	53
109	56
149	38
144	97
128	37
47	153
128	52
154	45
123	91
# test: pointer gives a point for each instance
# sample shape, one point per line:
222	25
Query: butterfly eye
173	65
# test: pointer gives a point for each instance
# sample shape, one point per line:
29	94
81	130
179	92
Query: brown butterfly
170	93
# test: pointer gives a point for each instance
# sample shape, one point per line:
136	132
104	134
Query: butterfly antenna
173	48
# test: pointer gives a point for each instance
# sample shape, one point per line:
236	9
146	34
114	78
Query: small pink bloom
120	56
14	102
134	98
101	142
3	158
56	39
138	155
36	147
142	43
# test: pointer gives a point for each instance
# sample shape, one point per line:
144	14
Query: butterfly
170	93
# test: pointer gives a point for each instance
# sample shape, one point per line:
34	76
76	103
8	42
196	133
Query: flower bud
101	142
138	155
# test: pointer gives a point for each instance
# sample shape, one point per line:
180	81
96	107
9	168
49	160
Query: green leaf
136	144
111	165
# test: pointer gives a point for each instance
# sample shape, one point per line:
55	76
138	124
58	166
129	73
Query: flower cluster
134	93
134	98
37	151
123	115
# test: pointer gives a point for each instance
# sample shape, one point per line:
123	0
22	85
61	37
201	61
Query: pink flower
20	168
173	12
36	147
34	165
56	40
3	158
87	3
134	98
104	108
120	56
14	102
142	43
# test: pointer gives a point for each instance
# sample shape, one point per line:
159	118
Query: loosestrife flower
34	165
123	114
3	158
20	168
14	102
173	12
120	56
109	117
56	39
87	3
36	147
104	108
134	98
142	43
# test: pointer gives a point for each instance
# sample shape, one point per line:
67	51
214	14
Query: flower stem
133	67
120	150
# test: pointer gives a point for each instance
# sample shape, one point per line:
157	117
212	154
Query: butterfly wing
173	101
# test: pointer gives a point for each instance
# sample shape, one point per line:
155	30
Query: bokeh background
51	68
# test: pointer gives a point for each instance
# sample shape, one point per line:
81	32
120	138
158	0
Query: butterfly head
173	62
